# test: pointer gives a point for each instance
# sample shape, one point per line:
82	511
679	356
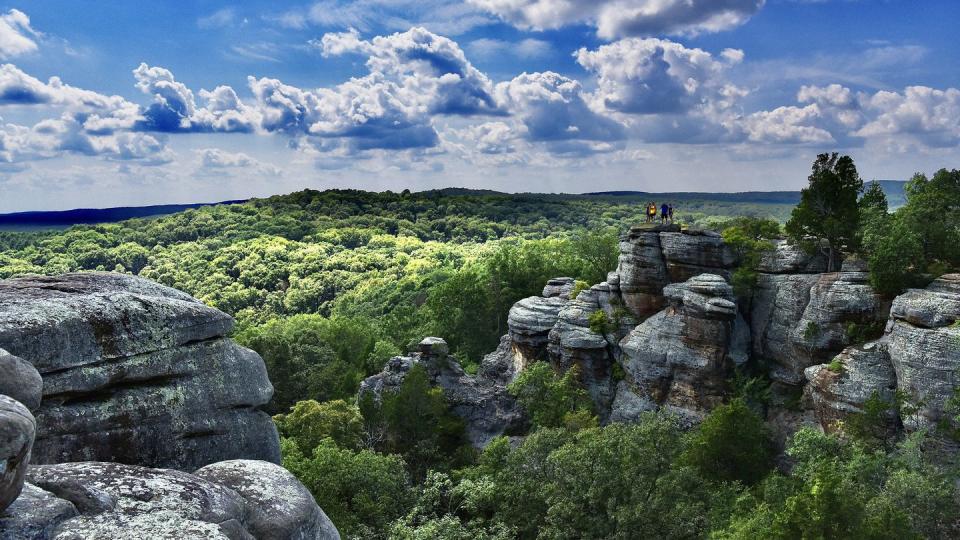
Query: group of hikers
666	212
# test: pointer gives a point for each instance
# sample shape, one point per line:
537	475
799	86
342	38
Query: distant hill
66	218
63	219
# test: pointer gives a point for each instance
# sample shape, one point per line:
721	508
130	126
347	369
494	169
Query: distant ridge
65	218
39	220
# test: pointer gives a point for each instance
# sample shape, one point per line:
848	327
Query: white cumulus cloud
622	18
17	37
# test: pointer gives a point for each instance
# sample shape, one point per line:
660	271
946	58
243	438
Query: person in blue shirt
664	212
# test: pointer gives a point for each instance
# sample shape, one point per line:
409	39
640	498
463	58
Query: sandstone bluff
127	413
677	332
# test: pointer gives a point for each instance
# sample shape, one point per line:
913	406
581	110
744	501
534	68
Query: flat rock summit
127	413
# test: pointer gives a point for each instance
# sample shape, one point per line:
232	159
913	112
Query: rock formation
482	401
229	500
918	355
135	372
17	430
680	359
923	338
804	319
840	389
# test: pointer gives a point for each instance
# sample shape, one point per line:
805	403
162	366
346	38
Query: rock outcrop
130	370
20	380
840	389
681	358
17	431
135	372
799	320
482	401
230	500
923	339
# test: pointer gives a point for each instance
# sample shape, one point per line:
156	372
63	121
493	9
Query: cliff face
675	333
123	375
134	372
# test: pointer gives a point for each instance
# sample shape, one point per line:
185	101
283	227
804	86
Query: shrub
547	396
731	444
600	323
835	365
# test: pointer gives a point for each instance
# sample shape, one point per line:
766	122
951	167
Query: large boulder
681	358
530	321
482	402
233	500
924	342
840	389
20	380
135	372
17	431
35	515
278	506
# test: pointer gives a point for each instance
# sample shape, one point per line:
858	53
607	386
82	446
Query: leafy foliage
732	444
749	237
414	422
548	397
828	215
361	491
309	423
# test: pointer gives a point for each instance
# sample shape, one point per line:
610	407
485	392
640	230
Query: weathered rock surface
859	372
692	252
20	380
643	270
277	505
483	403
530	321
559	287
232	500
799	320
787	258
924	345
135	372
17	431
593	351
653	257
35	515
680	358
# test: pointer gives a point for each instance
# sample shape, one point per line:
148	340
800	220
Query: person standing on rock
670	213
664	212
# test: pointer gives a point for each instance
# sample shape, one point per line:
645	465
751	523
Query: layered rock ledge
135	372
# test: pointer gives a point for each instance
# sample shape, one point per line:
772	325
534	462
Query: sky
118	103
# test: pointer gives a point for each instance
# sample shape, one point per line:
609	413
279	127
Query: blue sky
129	103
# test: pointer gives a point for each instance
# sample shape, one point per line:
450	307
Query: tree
309	423
731	444
828	215
933	213
362	492
415	422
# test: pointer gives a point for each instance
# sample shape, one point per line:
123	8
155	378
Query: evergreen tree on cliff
828	214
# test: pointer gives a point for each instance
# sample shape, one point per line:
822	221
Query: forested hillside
327	286
364	274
